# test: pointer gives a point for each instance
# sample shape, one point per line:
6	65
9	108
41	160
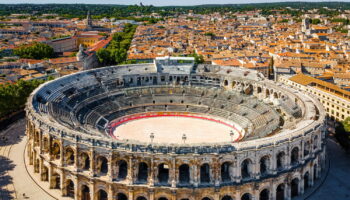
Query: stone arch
121	196
102	165
248	90
205	173
227	197
226	171
56	150
306	181
85	192
280	161
85	161
102	195
122	169
280	192
294	156
306	148
44	173
294	187
142	175
163	173
46	144
141	198
69	189
246	168
56	181
264	165
225	82
162	198
69	156
206	198
184	174
264	194
246	196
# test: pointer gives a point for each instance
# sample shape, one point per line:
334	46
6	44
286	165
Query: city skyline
156	2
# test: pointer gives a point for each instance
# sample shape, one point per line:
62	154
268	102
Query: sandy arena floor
171	130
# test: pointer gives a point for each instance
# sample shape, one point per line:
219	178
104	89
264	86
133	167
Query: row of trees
14	96
119	11
34	51
116	52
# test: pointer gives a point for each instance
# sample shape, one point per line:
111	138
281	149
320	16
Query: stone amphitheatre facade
273	146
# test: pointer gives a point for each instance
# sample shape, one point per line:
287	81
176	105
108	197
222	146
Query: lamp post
152	137
231	134
184	137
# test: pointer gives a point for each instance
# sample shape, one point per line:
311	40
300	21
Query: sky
154	2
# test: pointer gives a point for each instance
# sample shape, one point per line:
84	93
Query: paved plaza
16	183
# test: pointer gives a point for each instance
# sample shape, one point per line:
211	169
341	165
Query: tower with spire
88	21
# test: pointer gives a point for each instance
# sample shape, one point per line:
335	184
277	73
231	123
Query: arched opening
315	141
36	166
102	195
44	174
306	181
294	157
315	172
85	193
85	164
56	151
248	90
184	174
267	93
264	165
56	181
141	198
275	95
226	197
225	83
280	160
102	165
226	169
142	175
246	196
45	145
264	194
162	198
306	148
246	168
280	192
294	187
163	173
206	198
205	173
69	156
259	90
70	188
123	169
121	196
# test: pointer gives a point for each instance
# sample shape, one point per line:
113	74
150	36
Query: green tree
35	51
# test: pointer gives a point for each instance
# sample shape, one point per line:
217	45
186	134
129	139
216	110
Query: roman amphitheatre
173	130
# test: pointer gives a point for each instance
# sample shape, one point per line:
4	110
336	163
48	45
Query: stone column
76	188
49	174
62	180
216	171
40	142
194	174
151	194
152	175
92	161
287	191
130	176
173	172
110	167
76	158
131	194
110	192
173	194
61	153
92	190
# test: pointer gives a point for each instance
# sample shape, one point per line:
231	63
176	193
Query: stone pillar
151	194
152	175
76	158
216	172
130	176
173	194
110	167
92	190
61	153
62	180
194	174
301	185
92	161
173	172
40	142
287	191
50	146
273	190
110	192
76	188
49	174
131	194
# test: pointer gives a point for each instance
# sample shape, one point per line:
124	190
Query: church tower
88	21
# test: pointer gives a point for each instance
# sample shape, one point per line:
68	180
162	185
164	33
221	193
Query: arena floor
169	129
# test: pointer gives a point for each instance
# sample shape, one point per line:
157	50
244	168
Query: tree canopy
35	51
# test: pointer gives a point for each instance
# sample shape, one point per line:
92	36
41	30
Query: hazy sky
153	2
